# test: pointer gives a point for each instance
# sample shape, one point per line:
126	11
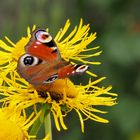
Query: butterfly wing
43	46
47	74
37	71
42	54
71	70
42	63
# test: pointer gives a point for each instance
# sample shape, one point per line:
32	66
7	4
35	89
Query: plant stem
48	127
36	127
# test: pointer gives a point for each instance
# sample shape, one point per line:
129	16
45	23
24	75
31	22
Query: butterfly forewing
43	48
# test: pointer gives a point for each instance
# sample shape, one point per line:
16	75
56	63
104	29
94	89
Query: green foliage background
117	24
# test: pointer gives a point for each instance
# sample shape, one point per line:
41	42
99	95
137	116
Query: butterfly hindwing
70	70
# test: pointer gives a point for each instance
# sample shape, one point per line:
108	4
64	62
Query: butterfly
42	63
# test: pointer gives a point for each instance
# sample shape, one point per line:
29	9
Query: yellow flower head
13	125
62	96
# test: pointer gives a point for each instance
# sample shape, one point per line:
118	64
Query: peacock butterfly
42	63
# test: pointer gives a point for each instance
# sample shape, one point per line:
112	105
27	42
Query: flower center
58	90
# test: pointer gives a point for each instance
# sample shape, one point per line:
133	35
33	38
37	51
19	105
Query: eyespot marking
81	68
43	36
29	60
51	79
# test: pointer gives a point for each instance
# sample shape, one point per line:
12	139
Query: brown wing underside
36	75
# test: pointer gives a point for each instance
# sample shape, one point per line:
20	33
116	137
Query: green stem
48	126
35	128
44	118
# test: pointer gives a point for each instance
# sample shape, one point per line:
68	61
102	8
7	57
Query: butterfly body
42	64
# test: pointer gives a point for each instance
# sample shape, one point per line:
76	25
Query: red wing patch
70	70
43	52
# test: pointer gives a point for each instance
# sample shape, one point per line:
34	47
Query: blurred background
117	24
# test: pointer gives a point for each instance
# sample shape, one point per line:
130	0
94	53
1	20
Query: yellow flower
62	96
13	126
